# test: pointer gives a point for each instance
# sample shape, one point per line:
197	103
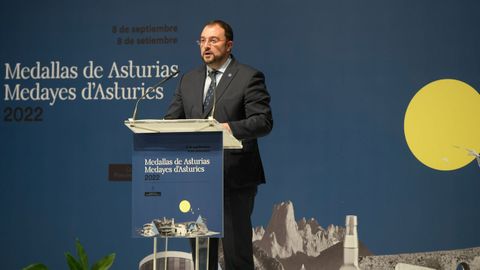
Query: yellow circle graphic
442	123
184	206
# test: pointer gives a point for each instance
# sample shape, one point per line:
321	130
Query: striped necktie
210	92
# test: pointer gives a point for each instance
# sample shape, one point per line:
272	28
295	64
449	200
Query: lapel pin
229	74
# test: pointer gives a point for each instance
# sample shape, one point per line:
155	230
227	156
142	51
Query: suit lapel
197	95
222	86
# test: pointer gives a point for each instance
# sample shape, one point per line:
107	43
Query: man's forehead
213	31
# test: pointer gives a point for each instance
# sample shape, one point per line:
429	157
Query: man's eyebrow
209	37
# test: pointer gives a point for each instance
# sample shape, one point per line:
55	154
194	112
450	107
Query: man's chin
208	60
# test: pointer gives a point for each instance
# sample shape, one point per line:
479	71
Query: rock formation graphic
292	245
287	244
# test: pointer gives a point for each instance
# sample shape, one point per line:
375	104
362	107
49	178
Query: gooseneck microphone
150	90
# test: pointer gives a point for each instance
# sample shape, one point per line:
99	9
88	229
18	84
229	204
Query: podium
177	179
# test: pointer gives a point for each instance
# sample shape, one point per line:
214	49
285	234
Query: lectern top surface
183	125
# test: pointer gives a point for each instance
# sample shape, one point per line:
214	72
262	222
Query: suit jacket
243	102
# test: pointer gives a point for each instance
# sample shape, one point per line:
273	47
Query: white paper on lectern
183	125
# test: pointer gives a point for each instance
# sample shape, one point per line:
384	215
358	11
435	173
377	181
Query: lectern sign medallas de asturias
177	178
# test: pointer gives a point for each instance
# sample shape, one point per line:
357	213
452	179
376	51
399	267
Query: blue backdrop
341	75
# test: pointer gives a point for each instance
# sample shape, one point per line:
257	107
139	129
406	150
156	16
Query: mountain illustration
288	244
292	245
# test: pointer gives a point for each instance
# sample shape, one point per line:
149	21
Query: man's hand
226	127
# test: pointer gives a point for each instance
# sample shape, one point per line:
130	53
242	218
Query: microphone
148	92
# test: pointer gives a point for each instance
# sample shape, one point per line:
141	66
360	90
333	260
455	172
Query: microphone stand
132	120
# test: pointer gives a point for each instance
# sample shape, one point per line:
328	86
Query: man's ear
229	46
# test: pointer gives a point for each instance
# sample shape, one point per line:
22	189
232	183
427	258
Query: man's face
214	47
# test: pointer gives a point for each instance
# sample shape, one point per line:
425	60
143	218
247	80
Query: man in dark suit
237	96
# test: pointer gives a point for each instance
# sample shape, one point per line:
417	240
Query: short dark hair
226	27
